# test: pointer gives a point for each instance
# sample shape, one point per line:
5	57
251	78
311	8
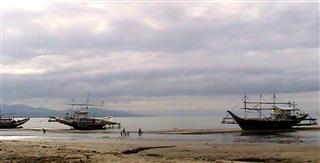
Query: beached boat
80	119
10	122
281	118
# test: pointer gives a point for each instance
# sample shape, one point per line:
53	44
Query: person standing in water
139	132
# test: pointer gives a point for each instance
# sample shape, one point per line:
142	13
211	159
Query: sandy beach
127	150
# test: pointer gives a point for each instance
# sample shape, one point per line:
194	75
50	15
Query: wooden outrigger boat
10	122
280	119
80	119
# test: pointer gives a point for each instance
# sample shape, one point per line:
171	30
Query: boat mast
102	104
294	108
260	105
274	100
245	106
72	103
87	107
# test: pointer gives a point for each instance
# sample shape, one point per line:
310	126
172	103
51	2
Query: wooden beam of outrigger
288	103
265	109
85	104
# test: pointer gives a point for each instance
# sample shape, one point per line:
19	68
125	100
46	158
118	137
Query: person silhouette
139	132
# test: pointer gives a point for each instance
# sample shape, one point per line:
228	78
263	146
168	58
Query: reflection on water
279	137
157	123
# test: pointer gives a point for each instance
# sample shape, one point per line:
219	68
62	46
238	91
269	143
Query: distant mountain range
28	111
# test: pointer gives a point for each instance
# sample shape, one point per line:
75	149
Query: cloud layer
134	52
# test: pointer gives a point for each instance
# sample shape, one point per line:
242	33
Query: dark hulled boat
267	123
280	118
10	122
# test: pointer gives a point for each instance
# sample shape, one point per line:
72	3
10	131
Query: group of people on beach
125	133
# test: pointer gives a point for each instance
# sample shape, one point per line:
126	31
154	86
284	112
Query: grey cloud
201	56
182	80
295	26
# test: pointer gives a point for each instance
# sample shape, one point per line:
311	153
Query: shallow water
147	123
132	124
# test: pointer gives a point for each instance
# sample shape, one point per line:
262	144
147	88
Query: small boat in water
10	122
80	119
281	118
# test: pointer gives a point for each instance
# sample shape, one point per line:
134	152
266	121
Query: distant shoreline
95	116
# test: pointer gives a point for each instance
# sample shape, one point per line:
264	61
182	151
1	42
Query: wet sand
173	131
127	150
231	130
153	150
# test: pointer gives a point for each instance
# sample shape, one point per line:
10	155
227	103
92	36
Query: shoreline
232	130
172	131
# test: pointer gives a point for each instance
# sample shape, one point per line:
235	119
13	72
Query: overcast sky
160	57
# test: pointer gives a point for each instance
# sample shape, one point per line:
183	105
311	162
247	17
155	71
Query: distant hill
28	111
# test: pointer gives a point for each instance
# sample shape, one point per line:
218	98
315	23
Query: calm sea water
154	124
147	123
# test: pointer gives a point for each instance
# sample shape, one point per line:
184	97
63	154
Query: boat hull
265	124
81	125
13	124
